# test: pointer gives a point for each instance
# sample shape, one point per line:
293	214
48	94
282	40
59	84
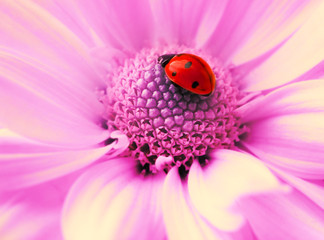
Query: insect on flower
161	120
189	71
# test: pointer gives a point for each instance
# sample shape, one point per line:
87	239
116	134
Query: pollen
166	125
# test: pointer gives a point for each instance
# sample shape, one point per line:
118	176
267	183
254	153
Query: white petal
229	176
179	216
278	22
302	52
249	29
182	219
110	201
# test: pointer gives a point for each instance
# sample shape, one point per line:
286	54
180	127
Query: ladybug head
165	59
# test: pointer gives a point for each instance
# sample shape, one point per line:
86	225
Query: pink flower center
168	126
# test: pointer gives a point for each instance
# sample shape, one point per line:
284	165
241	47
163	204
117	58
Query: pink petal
121	24
292	142
289	217
25	162
301	97
285	126
209	20
35	113
301	53
19	222
278	22
70	15
178	215
24	169
182	219
46	80
33	213
179	21
229	176
62	87
244	69
302	160
314	190
249	29
110	201
10	142
33	31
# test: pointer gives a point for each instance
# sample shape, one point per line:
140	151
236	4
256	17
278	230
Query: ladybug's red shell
191	73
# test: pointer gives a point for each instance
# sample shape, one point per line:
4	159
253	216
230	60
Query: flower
96	143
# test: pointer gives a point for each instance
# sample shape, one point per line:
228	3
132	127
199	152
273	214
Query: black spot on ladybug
188	64
195	84
174	73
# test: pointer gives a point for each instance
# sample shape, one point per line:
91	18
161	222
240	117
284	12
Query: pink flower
96	143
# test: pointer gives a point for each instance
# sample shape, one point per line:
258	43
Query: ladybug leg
176	85
165	59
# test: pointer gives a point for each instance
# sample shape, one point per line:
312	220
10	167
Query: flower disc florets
164	121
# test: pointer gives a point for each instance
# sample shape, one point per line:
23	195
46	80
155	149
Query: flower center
167	125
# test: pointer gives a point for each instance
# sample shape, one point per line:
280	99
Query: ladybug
189	72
